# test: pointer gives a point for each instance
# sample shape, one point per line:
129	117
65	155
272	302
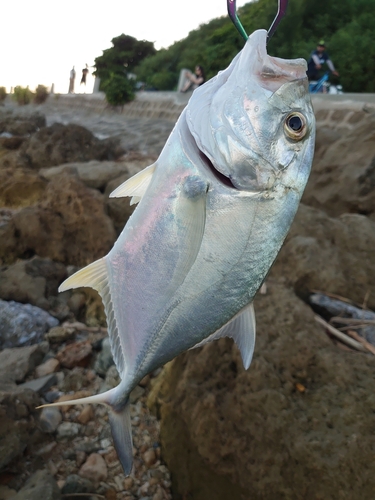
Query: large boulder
19	124
60	144
69	225
20	187
343	173
303	413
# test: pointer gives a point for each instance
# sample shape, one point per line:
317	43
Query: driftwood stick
352	321
341	336
363	341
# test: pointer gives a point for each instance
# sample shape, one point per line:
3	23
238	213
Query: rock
149	457
86	415
50	418
40	385
16	363
119	209
76	354
94	174
18	124
20	187
23	324
343	173
59	334
40	485
18	426
104	359
77	484
50	366
59	144
34	281
296	410
6	493
69	225
68	430
94	469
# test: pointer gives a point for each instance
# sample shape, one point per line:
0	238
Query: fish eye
295	126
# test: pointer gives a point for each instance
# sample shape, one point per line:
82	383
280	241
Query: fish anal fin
93	275
136	186
241	329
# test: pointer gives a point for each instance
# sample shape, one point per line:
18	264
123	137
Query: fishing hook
231	4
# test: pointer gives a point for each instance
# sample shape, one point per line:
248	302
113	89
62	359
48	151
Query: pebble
76	354
59	334
86	415
50	366
50	418
149	457
77	484
68	430
40	385
94	468
104	359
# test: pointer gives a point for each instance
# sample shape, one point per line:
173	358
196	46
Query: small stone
77	484
94	468
50	366
104	359
86	415
6	493
110	494
128	483
80	458
50	418
111	458
149	457
68	430
59	334
144	382
76	354
159	495
40	385
39	485
136	393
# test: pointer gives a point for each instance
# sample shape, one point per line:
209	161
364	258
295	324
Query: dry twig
341	336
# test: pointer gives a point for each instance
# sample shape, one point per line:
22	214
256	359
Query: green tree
121	59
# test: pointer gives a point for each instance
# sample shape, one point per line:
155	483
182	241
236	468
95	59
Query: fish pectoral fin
241	329
94	275
136	186
122	436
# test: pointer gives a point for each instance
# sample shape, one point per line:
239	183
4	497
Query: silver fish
213	213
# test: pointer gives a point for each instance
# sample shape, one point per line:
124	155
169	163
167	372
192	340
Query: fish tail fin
122	435
119	419
103	398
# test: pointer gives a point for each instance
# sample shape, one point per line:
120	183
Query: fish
212	214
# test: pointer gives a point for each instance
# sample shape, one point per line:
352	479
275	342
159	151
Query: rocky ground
57	167
299	424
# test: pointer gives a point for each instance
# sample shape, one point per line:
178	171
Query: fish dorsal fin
136	186
95	275
241	329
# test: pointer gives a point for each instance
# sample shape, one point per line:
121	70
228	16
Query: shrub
22	95
3	94
41	94
118	89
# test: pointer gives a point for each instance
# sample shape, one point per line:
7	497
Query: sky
42	40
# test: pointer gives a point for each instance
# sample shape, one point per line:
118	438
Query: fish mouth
221	178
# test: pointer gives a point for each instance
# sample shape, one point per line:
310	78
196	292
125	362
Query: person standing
85	72
72	80
317	58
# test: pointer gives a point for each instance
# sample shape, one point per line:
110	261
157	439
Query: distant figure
72	80
317	58
193	81
85	72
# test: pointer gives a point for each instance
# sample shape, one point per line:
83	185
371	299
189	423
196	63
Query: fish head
254	121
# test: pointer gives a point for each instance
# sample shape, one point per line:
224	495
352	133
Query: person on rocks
317	58
72	80
194	80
